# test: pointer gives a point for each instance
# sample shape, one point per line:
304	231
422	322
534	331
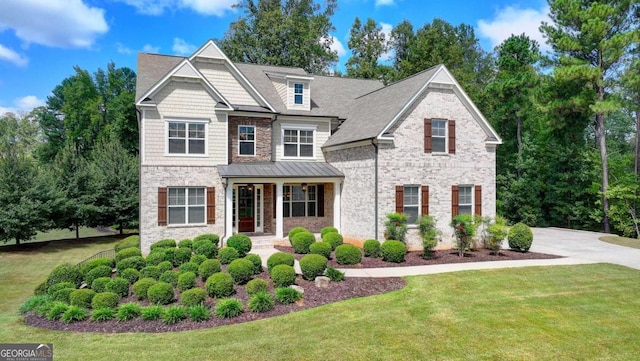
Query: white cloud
513	20
148	48
57	23
181	47
385	2
122	49
23	105
337	47
386	30
209	7
12	57
205	7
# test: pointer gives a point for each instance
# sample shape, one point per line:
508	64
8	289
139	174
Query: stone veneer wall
263	139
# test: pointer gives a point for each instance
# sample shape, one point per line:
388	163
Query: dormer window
298	91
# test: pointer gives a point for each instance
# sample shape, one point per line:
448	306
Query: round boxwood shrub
165	266
65	272
131	274
188	267
228	308
256	261
165	243
520	237
393	251
257	285
128	252
296	230
150	271
100	271
156	257
169	277
301	242
100	283
227	254
186	281
321	248
283	275
181	256
198	259
131	241
241	242
207	249
287	295
95	263
192	297
136	262
58	286
326	230
160	293
63	294
82	298
169	254
141	287
334	238
261	302
372	248
207	237
219	285
312	266
348	254
185	243
280	258
105	300
334	274
118	285
41	289
241	270
208	268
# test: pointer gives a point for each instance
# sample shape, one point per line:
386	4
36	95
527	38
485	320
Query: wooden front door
246	209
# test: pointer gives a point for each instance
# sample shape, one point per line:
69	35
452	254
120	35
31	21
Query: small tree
396	227
429	234
464	229
497	233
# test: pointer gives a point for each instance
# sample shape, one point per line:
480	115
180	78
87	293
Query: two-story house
242	148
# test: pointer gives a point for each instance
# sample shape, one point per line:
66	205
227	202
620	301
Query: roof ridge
400	81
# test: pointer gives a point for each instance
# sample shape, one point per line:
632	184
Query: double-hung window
439	135
465	202
186	205
411	203
246	139
298	91
186	138
300	203
298	143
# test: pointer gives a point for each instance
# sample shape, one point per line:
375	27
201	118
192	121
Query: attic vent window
298	88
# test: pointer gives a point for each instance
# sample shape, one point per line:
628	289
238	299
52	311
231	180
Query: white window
411	203
186	138
246	139
439	136
186	205
298	91
465	199
298	143
300	200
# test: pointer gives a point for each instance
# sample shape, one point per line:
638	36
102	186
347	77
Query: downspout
224	238
139	118
375	188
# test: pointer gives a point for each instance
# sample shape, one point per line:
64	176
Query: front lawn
537	313
621	241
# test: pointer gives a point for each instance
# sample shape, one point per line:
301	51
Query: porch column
279	211
228	211
337	190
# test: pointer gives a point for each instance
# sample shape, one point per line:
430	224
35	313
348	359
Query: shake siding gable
222	79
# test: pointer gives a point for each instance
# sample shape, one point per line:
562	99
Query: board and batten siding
222	79
321	134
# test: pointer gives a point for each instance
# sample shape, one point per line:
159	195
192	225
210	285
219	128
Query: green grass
621	241
581	312
62	234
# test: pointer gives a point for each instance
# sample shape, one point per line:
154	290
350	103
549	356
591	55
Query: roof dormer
298	92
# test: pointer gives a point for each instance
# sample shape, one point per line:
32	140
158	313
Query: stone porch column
337	190
279	211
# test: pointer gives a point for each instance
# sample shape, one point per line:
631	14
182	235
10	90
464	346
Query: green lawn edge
621	241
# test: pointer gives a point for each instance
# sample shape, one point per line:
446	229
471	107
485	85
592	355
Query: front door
246	209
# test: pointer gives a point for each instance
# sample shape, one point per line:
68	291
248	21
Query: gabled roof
152	68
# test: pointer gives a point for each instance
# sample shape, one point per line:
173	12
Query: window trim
298	128
187	122
296	93
290	202
445	136
186	206
471	205
417	206
246	141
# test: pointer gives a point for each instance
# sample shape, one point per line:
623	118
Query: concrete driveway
583	246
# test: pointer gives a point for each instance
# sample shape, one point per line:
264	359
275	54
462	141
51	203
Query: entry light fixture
304	187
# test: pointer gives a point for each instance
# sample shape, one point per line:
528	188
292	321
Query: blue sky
42	40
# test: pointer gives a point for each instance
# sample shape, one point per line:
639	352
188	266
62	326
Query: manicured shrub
165	243
208	268
151	313
227	254
82	297
199	313
393	251
105	300
283	275
326	230
103	314
161	293
207	237
128	252
241	242
334	274
207	249
150	271
157	256
257	285
287	295
58	286
131	275
520	237
136	262
170	277
170	255
427	228
73	314
296	230
97	272
185	243
261	302
371	248
334	238
141	287
186	281
198	258
312	266
219	285
464	228
63	294
99	284
65	272
321	248
41	289
497	233
131	241
174	314
229	308
128	311
182	255
396	227
165	266
188	267
95	263
301	242
257	263
56	310
348	254
119	286
280	258
241	270
194	296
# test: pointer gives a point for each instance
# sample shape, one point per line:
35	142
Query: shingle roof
279	170
151	69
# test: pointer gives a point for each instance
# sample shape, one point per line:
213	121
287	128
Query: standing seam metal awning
279	170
